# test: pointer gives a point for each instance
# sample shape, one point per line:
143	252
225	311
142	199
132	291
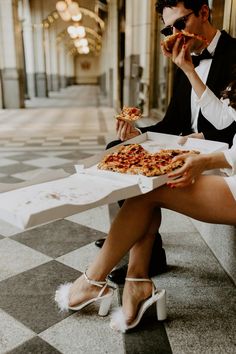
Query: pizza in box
134	159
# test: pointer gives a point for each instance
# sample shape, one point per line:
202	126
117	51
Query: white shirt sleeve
230	156
216	111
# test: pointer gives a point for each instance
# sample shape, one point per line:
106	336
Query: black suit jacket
177	120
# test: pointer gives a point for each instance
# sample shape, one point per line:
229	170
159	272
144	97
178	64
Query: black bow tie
204	55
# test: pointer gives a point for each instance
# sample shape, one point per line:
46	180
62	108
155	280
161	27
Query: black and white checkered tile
89	143
24	165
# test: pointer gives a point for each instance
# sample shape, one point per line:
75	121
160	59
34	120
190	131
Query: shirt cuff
229	171
140	132
206	98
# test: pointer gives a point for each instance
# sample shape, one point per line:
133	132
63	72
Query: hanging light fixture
76	31
83	50
61	6
82	42
69	10
77	17
73	8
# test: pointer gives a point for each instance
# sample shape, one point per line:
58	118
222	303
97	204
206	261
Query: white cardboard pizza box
152	142
57	196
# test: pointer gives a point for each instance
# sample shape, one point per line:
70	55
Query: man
182	116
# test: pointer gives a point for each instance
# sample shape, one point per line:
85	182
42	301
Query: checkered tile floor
22	166
40	142
201	297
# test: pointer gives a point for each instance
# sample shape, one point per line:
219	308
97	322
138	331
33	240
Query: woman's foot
81	291
133	295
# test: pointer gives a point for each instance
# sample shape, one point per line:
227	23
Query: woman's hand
126	130
180	55
184	138
186	175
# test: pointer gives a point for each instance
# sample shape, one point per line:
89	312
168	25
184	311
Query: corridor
54	133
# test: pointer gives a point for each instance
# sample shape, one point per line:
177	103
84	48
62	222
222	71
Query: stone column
53	59
29	49
137	52
62	64
11	56
39	51
131	57
47	58
70	69
113	54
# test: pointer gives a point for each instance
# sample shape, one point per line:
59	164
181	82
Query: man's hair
194	5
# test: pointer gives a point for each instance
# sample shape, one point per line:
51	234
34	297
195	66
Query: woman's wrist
197	84
191	74
214	160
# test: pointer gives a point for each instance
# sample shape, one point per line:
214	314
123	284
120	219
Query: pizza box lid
54	196
44	202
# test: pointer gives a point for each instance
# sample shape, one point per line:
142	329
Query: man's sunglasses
179	24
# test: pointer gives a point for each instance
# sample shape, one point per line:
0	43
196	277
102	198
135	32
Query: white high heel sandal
158	296
62	297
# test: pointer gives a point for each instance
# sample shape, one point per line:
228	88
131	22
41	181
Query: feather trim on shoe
118	322
62	296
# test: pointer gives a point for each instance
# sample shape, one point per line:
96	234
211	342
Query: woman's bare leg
199	201
209	200
130	226
139	261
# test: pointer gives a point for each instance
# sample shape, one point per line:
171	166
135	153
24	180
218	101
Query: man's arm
177	119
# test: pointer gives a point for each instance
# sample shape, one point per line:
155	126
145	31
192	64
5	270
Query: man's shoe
157	244
157	266
99	243
118	275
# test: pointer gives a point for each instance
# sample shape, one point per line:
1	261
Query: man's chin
197	48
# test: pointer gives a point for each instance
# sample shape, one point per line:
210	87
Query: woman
138	219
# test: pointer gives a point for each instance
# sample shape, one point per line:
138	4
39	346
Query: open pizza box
55	196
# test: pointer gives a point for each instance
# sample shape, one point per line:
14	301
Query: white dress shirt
203	70
212	107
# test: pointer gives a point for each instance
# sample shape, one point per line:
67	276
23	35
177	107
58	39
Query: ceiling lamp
77	18
86	50
69	10
73	8
76	31
61	6
83	50
83	42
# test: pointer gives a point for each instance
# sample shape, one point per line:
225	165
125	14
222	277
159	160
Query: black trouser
121	202
158	257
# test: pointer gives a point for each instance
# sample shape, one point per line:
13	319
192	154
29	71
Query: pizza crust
199	41
129	114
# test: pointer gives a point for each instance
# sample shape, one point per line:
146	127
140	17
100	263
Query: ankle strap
100	284
138	279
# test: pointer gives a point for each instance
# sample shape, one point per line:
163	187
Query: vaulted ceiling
93	13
